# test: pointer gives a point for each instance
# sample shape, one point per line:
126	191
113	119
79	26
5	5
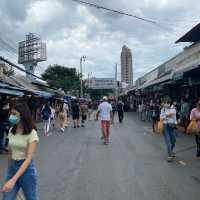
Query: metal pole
81	71
116	87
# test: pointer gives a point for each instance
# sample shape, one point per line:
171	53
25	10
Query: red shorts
105	125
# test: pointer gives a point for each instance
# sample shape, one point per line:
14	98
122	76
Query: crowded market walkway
75	165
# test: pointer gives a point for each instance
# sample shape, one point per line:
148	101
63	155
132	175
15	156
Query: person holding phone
168	115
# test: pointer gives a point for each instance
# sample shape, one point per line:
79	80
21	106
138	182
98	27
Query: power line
122	13
19	68
8	45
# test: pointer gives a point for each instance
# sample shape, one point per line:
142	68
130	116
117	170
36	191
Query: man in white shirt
106	116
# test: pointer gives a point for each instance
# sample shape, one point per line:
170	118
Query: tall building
126	66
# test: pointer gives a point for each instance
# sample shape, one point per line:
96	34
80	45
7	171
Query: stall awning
192	36
163	79
177	75
5	85
43	94
11	92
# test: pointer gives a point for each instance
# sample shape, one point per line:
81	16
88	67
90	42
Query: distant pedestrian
62	118
90	111
155	116
168	115
4	124
66	110
140	108
53	118
120	110
114	109
76	113
23	139
84	112
184	113
195	115
106	116
46	116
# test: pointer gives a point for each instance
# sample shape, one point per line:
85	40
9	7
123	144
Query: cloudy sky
72	30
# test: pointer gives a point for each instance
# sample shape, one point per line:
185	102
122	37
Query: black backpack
46	113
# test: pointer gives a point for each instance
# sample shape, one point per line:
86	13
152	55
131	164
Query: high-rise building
126	66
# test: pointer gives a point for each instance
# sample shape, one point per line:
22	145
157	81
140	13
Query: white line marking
182	163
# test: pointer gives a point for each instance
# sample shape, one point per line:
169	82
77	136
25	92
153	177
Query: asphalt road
77	166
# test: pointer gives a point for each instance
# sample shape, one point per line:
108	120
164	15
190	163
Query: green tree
98	94
62	77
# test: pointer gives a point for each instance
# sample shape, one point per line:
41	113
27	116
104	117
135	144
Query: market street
76	166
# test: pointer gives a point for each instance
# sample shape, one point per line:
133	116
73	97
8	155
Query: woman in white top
168	115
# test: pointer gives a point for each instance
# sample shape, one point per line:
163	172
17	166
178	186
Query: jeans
170	139
197	139
28	181
47	125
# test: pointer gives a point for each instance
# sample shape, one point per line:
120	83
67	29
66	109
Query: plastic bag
161	127
192	128
20	196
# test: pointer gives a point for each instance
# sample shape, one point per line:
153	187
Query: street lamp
82	59
89	74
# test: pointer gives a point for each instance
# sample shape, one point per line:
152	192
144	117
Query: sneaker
62	130
169	159
198	155
102	137
173	155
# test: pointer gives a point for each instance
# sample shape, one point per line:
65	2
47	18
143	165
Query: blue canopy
11	92
44	94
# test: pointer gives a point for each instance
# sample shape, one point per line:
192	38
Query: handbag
192	128
20	196
172	125
161	127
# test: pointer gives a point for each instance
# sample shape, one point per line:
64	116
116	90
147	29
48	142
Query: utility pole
116	86
81	72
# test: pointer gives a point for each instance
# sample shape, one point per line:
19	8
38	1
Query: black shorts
75	116
84	117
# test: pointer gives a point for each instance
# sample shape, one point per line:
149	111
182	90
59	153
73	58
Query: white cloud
72	30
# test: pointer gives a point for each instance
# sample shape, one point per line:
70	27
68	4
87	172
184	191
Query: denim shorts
27	182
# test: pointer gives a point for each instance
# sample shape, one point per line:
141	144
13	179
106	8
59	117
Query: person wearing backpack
46	116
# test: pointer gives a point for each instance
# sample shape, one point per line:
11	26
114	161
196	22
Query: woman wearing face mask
23	141
168	115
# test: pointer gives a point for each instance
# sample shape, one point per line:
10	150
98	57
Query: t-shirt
195	115
18	144
84	109
164	115
75	109
105	108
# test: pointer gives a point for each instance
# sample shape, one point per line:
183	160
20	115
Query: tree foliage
98	94
62	77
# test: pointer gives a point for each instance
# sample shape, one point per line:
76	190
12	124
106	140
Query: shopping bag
20	196
192	128
160	127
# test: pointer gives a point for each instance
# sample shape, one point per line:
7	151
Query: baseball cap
105	98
